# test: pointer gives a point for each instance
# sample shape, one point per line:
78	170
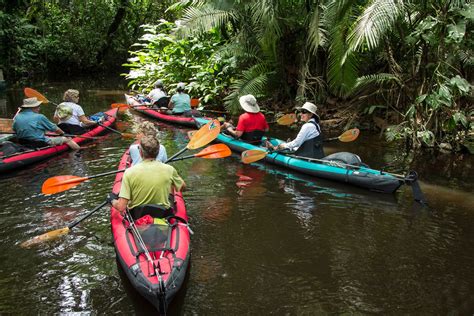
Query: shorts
54	141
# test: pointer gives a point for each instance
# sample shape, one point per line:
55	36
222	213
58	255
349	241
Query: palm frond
202	19
376	79
377	18
253	81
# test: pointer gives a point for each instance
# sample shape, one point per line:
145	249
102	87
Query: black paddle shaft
87	215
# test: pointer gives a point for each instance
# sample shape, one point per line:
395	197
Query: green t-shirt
149	182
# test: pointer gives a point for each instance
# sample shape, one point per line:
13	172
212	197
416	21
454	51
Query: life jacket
312	148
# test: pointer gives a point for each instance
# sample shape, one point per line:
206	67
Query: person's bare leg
72	144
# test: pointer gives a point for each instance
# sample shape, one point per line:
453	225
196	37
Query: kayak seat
162	102
344	157
154	210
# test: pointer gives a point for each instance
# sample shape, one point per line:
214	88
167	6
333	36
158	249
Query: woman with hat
309	141
30	127
252	125
70	115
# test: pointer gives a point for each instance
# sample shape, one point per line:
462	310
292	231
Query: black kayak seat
162	102
344	157
154	210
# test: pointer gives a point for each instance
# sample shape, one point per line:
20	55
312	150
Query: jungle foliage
70	36
404	64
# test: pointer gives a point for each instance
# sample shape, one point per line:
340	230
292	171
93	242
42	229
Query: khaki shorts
56	140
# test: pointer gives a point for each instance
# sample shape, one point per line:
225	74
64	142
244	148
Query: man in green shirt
149	182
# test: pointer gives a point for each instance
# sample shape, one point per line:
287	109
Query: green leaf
457	31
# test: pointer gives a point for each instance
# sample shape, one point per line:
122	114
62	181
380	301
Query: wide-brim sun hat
31	103
249	103
310	107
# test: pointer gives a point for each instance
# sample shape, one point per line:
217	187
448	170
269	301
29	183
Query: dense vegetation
404	66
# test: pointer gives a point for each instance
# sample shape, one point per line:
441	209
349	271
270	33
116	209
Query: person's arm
300	138
120	204
84	120
177	182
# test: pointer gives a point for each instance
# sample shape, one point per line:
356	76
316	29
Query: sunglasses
304	112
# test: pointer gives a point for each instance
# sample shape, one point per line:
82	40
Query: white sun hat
31	103
249	103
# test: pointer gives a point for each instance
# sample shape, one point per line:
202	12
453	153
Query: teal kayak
334	167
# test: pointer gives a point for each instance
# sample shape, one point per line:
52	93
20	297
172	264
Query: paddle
206	134
287	119
32	93
124	135
56	135
211	152
347	136
253	155
61	231
202	137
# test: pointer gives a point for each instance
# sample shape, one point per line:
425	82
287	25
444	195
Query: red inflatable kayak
156	114
25	158
154	252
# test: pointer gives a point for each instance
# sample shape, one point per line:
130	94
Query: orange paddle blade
214	152
349	135
253	155
32	93
287	119
128	135
205	135
119	105
45	237
194	103
61	183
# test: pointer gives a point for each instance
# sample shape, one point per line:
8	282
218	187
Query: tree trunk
119	17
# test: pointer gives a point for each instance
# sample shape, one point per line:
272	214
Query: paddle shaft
109	128
55	135
87	215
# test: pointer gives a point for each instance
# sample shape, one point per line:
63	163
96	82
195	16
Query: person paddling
309	141
252	125
180	102
70	115
146	128
149	182
158	94
30	127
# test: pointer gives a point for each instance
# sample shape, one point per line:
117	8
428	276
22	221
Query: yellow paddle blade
214	152
205	135
287	119
45	237
32	93
191	133
61	183
253	155
349	135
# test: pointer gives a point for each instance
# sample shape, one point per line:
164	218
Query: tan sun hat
249	103
310	107
31	103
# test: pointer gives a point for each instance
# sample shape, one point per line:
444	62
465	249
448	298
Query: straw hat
31	103
310	107
249	103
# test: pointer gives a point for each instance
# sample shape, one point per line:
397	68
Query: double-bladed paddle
57	135
253	155
201	138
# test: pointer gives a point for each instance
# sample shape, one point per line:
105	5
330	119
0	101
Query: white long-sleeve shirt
307	131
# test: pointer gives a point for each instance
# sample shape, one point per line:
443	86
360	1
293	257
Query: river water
283	244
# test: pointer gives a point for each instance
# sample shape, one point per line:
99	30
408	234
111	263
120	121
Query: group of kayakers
178	104
30	126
